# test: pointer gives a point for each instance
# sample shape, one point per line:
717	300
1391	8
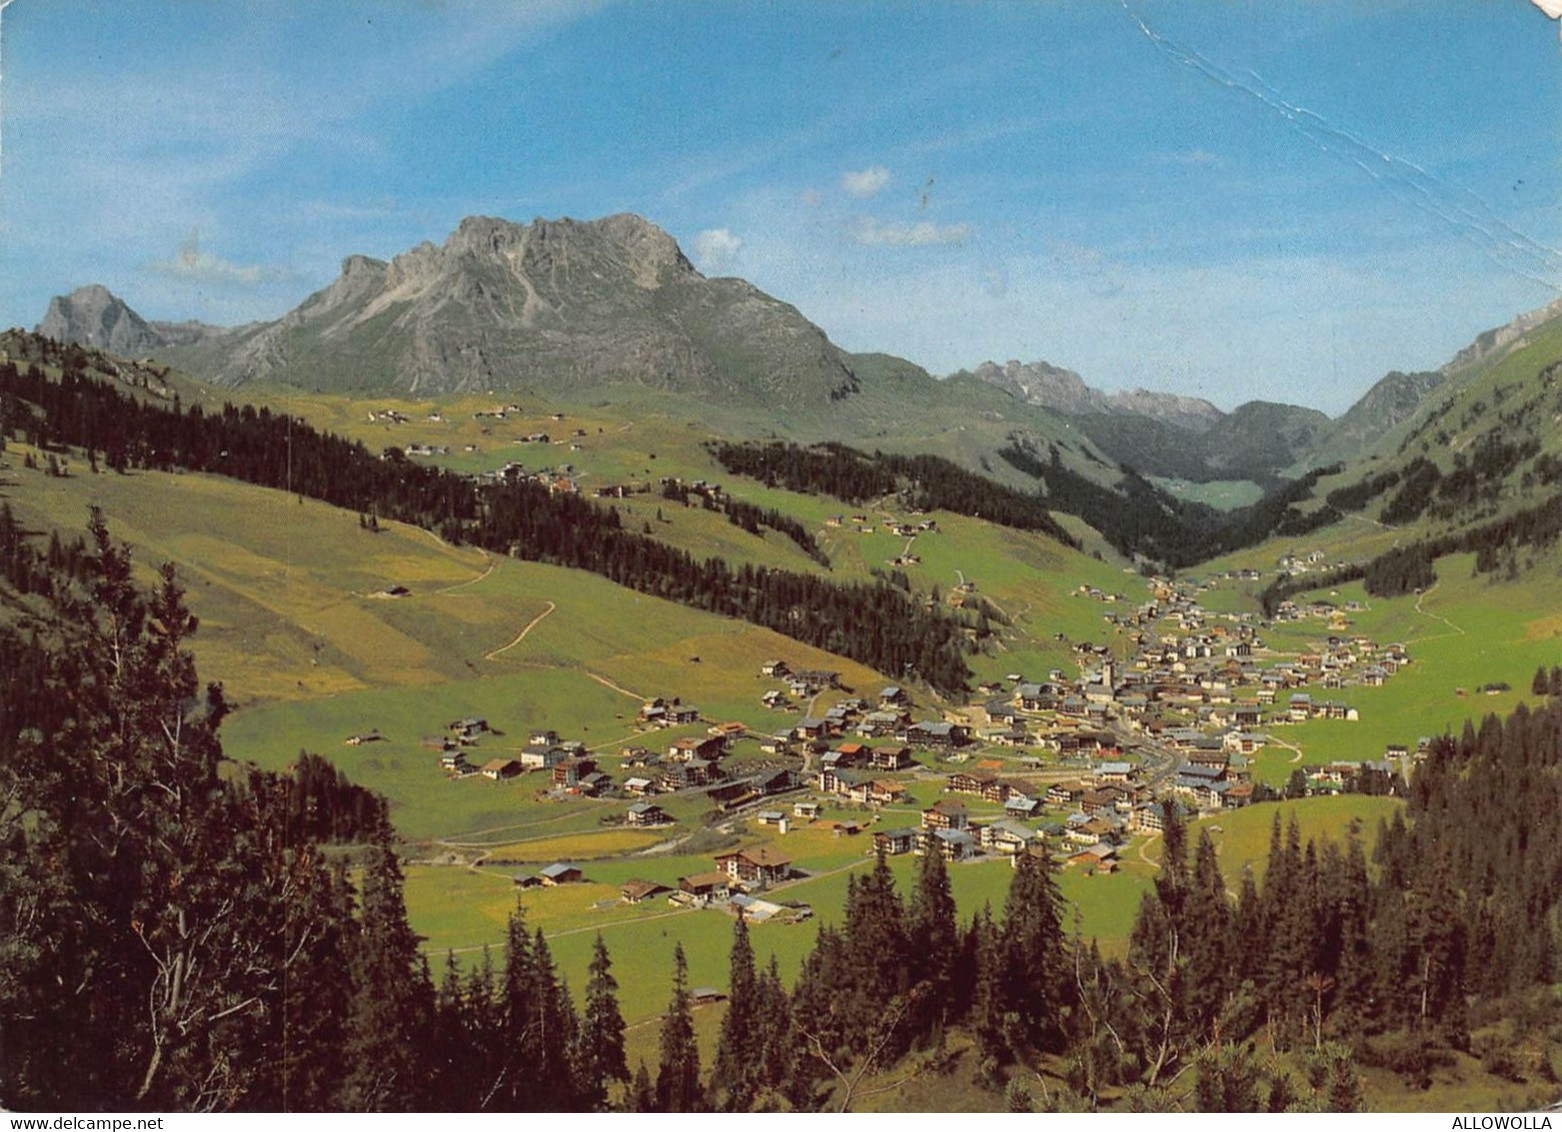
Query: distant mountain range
567	309
1188	438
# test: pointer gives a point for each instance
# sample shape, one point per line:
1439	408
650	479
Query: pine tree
1540	685
934	941
1035	952
392	1003
601	1048
678	1077
989	1004
1208	936
642	1094
735	1074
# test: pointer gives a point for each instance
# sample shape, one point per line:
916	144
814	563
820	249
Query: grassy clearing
575	847
1241	837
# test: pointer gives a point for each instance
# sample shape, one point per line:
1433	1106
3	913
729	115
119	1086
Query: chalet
964	782
777	669
593	784
834	780
775	745
561	874
809	727
1101	856
818	679
1008	837
535	757
945	736
893	696
1105	800
455	762
692	747
1115	772
1001	712
946	814
645	813
878	724
1244	742
759	865
373	736
1152	818
953	844
701	888
895	842
634	891
1240	794
773	818
849	755
1300	708
836	719
691	774
773	781
889	758
808	811
497	769
1066	793
639	786
1209	753
1019	806
568	772
727	733
882	793
471	726
437	743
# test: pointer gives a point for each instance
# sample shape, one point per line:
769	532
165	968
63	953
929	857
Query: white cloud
865	183
197	266
716	249
922	234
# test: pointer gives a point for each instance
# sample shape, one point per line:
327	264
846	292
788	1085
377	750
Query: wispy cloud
194	265
922	234
716	249
866	182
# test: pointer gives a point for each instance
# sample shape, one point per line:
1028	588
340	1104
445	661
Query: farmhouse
561	874
701	888
895	842
645	813
946	814
497	769
759	865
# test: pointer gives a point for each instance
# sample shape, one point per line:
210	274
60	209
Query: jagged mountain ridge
552	305
1041	383
1189	438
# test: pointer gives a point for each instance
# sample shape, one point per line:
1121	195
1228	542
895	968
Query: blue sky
1232	200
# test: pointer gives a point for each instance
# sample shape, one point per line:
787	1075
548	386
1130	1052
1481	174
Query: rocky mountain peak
94	316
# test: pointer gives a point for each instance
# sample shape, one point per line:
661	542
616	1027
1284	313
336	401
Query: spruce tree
1035	952
678	1077
392	1003
989	1004
739	1051
601	1047
934	941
